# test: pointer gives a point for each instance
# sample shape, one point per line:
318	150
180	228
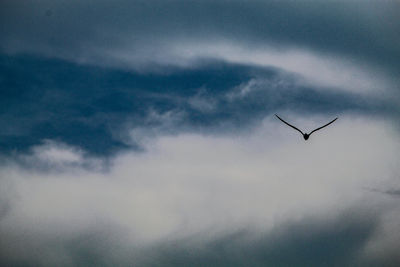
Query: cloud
95	108
302	243
186	185
51	156
393	192
312	68
140	133
57	153
168	122
390	192
202	102
299	37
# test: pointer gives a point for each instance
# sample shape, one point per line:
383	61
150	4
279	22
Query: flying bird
305	135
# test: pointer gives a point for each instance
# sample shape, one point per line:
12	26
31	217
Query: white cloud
190	183
57	156
57	153
312	68
202	102
155	123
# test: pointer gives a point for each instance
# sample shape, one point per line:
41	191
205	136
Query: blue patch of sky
84	105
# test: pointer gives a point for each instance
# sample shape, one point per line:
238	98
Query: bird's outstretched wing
289	124
322	126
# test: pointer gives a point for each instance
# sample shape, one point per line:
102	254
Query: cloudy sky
142	133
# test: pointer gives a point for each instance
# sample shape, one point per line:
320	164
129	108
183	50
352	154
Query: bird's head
306	136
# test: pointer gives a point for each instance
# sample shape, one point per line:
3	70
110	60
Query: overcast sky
142	133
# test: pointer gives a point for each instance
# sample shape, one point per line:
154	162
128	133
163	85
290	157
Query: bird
305	135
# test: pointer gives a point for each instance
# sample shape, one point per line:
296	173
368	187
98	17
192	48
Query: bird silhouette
305	135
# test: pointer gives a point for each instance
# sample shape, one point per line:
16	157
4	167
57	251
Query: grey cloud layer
87	31
189	191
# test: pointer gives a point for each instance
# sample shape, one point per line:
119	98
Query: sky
142	133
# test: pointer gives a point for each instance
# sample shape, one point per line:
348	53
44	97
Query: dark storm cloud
91	107
308	243
311	242
95	31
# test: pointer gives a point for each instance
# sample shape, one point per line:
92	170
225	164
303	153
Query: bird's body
305	135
